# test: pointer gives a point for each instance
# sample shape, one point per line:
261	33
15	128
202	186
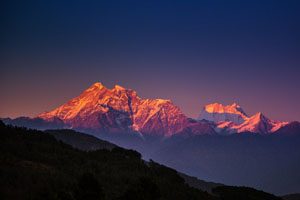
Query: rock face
158	117
119	110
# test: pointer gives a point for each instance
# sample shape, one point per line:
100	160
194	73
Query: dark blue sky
193	52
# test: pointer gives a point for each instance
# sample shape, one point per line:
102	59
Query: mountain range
223	145
120	110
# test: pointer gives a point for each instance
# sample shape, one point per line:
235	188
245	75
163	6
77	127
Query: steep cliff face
159	117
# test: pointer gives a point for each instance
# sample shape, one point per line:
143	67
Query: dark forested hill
34	165
200	184
242	193
291	197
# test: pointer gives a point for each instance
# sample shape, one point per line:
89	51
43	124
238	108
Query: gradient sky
193	52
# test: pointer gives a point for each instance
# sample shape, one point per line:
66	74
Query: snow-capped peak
218	112
119	110
98	85
220	108
259	117
259	123
118	87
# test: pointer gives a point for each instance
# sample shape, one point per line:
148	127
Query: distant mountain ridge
120	110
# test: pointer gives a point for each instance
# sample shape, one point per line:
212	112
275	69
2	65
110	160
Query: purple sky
193	53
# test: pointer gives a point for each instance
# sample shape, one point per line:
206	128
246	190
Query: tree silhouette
88	188
144	189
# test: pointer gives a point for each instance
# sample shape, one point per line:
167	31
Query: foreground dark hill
90	143
34	165
258	159
291	197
